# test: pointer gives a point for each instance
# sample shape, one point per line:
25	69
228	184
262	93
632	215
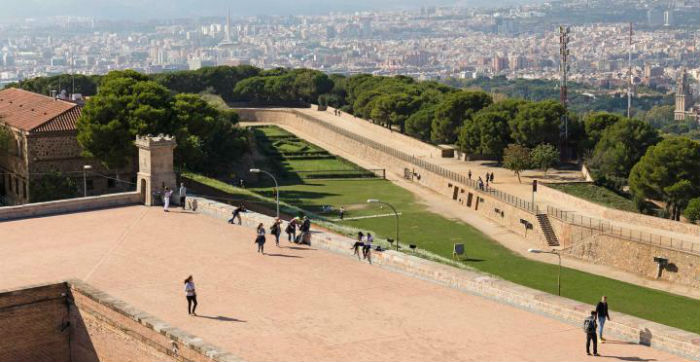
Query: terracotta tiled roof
34	112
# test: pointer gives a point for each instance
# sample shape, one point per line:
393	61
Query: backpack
589	325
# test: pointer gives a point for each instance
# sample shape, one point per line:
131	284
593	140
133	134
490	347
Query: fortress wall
626	327
508	215
71	321
31	321
631	256
107	329
624	254
69	205
607	213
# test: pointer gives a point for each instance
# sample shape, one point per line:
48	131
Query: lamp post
555	252
277	189
86	168
377	201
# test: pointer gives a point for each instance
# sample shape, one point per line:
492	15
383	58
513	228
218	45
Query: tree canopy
451	113
517	159
129	104
621	145
537	122
668	171
544	156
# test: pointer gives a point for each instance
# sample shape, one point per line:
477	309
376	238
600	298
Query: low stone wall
578	204
626	327
71	321
107	329
69	205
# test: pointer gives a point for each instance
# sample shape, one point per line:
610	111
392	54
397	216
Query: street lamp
377	201
277	189
86	168
555	252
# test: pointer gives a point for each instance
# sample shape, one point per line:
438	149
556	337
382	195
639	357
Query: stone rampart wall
69	205
31	321
626	327
107	329
482	203
578	204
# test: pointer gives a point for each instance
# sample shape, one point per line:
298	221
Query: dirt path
444	206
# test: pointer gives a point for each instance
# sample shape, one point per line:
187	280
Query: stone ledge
626	327
194	343
69	205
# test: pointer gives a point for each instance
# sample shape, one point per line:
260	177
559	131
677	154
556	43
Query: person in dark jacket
589	326
305	229
601	311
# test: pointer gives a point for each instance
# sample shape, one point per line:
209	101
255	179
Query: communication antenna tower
563	71
629	73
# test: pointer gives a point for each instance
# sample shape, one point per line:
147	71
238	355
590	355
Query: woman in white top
166	198
367	246
191	296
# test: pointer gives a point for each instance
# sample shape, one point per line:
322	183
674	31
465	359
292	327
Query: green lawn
436	234
597	194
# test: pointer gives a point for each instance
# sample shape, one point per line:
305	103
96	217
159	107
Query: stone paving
296	303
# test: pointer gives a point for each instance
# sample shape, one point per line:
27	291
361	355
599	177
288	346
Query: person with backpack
276	230
589	326
601	311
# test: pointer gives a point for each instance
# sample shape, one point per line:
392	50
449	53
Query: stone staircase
546	226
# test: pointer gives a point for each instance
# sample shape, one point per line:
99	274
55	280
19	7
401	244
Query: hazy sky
148	9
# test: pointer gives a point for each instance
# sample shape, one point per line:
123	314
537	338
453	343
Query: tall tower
155	167
227	36
682	97
563	72
629	74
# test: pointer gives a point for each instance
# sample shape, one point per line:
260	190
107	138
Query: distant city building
684	100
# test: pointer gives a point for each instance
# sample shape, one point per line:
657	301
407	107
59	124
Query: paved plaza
296	303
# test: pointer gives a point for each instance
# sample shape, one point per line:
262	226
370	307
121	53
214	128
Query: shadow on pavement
221	318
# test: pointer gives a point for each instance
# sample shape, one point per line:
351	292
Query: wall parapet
619	215
629	328
69	205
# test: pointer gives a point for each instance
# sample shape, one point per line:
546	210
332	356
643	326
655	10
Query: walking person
237	214
367	248
601	311
166	198
276	230
488	176
260	238
191	295
491	177
469	174
341	212
358	244
589	327
481	184
291	229
183	195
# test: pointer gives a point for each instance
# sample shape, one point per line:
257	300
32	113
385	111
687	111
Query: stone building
685	107
43	141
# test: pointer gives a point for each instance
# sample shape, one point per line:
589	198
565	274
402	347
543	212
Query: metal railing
428	166
607	228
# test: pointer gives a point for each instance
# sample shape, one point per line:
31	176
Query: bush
692	211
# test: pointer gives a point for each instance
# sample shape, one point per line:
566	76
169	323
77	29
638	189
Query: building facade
43	148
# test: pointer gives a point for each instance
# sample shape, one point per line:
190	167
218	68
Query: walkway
444	206
293	304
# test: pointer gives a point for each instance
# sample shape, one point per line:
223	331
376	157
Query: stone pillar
155	167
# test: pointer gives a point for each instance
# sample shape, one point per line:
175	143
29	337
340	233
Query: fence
606	228
430	167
